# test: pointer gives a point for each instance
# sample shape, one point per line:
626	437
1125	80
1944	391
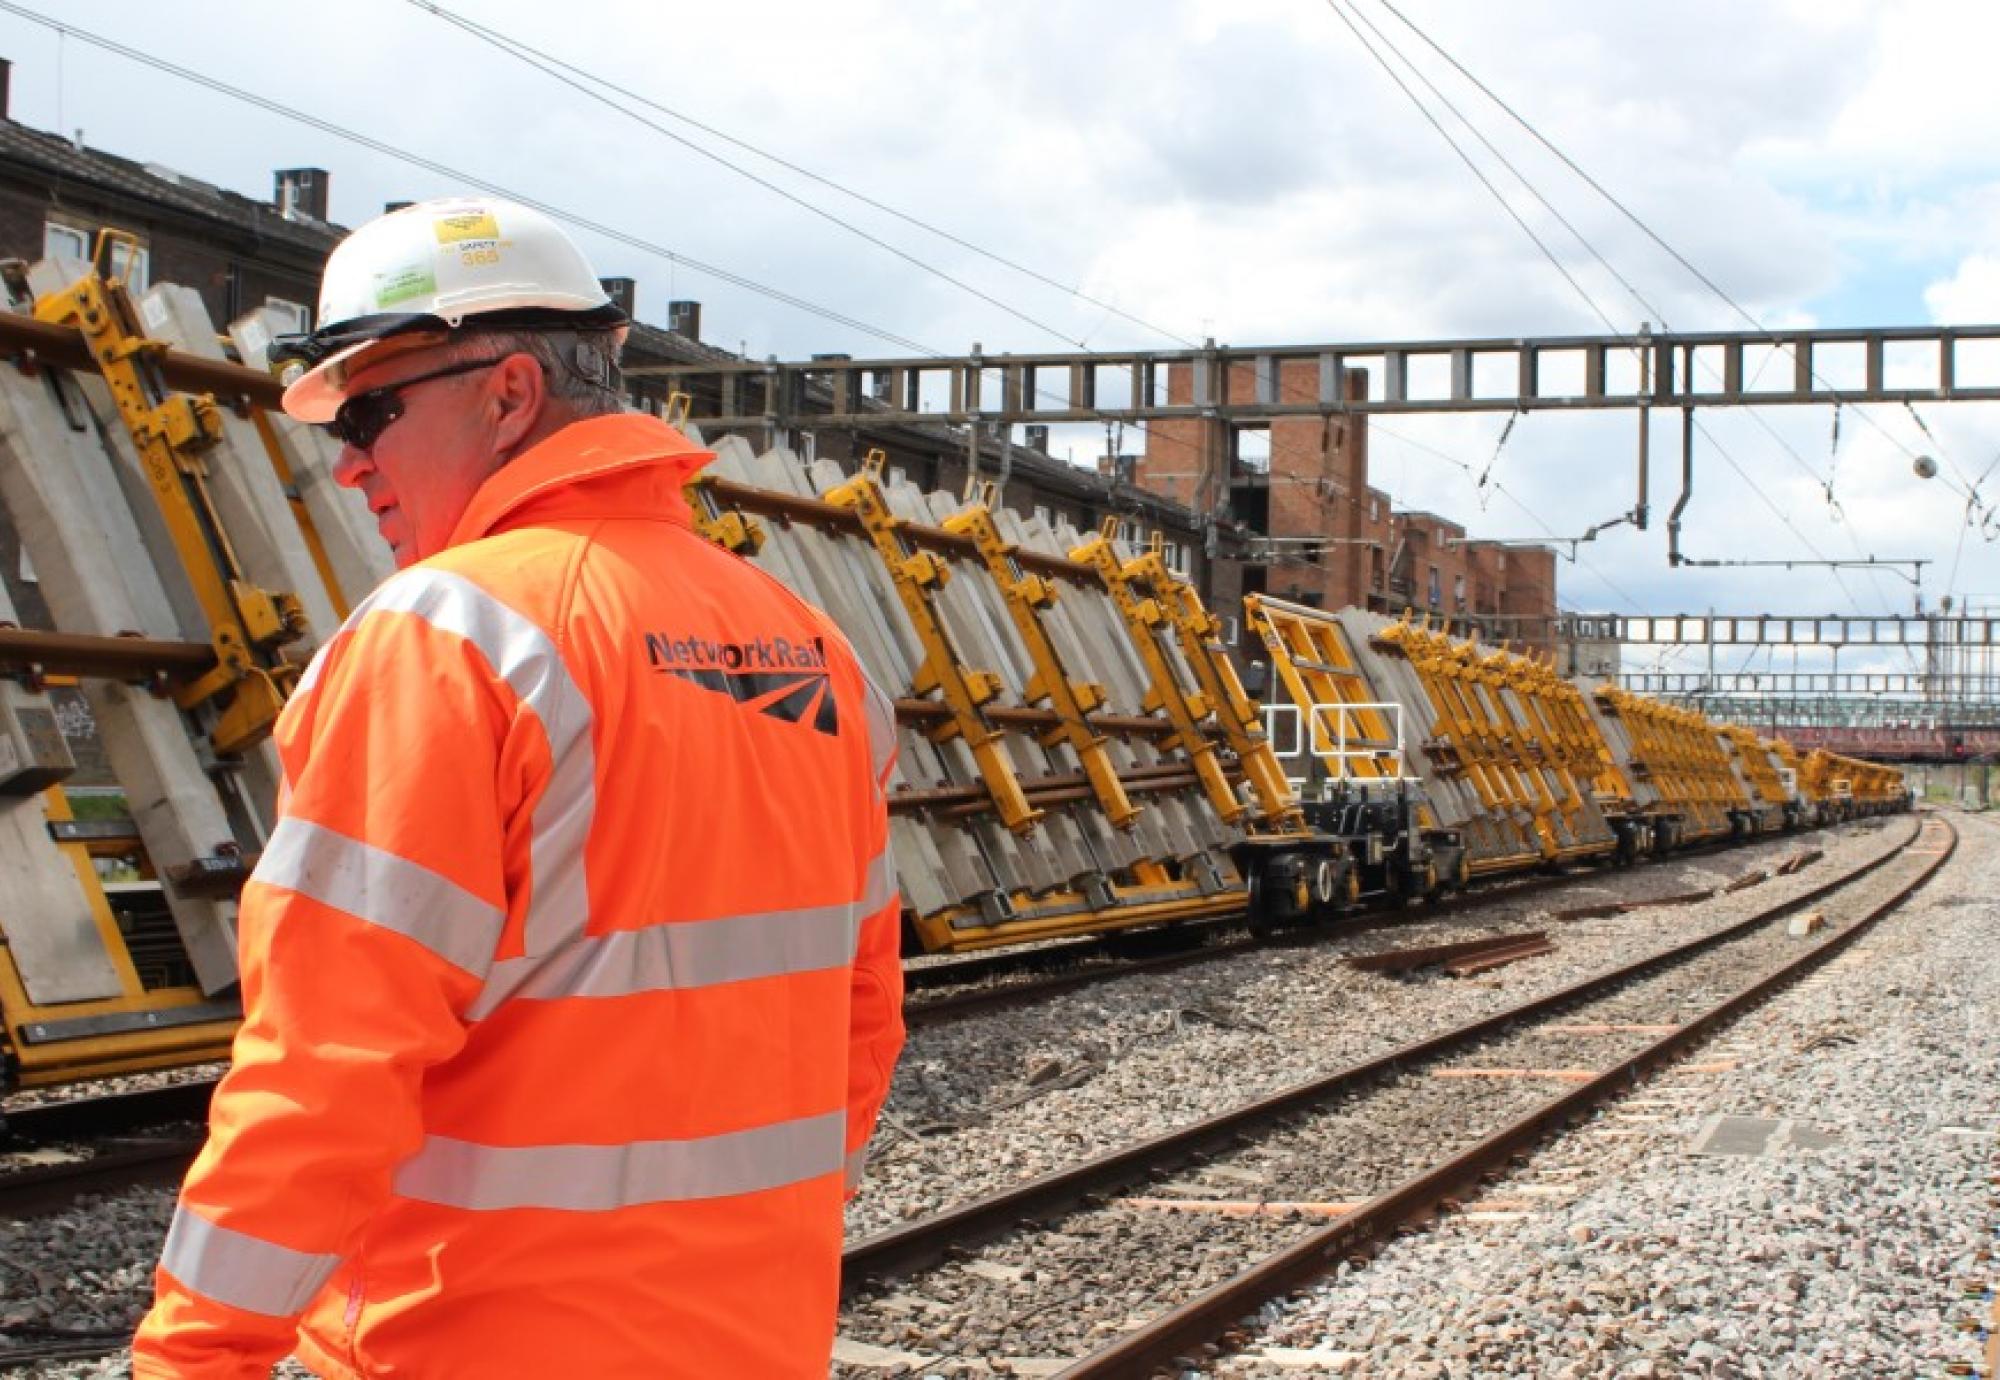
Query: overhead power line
547	61
521	52
439	169
1582	239
1756	415
1627	212
444	170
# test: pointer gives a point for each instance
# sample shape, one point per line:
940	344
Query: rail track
107	1143
967	986
131	1150
1601	1034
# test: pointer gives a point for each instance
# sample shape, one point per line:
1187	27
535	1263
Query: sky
1237	169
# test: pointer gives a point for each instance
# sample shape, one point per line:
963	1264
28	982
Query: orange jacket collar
627	465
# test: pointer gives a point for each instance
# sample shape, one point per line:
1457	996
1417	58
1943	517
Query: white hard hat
430	268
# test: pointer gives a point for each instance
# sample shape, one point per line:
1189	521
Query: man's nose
349	466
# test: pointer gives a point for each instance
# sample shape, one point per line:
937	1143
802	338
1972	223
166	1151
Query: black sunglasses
363	418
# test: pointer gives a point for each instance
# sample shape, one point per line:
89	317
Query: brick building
1298	519
238	252
241	253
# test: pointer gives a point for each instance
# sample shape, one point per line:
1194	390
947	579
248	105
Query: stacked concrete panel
1071	866
1505	753
76	491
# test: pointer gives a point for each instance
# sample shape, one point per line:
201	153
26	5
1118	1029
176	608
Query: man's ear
519	394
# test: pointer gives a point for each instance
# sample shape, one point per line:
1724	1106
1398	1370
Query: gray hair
581	367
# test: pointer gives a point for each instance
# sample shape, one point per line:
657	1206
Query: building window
898	476
1175	554
1436	589
295	318
1458	590
64	242
1374	508
133	264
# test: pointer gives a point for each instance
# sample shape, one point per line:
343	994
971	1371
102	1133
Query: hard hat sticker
478	225
400	285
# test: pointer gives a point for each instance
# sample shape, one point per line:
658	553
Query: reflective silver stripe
241	1270
603	1178
881	731
377	886
881	886
521	654
854	1167
694	953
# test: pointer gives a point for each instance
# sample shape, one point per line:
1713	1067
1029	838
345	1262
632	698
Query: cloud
1240	168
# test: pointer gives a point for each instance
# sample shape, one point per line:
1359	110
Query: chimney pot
6	89
684	318
300	192
624	292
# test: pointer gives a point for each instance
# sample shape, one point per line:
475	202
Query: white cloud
1238	168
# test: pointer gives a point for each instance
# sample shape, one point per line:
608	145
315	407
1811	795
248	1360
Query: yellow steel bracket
917	576
1240	718
679	406
1143	619
1027	596
727	528
173	432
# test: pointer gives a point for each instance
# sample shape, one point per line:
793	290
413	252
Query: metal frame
1258	383
1331	746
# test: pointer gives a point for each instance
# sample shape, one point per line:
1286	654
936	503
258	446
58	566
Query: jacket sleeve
875	1037
365	932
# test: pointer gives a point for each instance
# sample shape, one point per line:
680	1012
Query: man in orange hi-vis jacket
569	971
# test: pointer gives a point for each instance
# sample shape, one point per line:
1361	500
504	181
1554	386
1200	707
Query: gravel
1617	1251
992	1100
1040	1295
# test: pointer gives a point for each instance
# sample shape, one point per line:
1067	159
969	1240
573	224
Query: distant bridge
1879	744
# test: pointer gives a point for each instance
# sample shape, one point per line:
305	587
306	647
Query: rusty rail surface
1428	955
160	1160
922	1243
1208	1315
1499	956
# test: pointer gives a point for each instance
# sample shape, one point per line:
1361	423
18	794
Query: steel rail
1079	959
44	1188
110	1114
922	1243
1428	955
1206	1316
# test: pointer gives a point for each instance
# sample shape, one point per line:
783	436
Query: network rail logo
770	675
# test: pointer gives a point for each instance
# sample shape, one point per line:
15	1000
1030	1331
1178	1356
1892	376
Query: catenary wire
548	67
279	108
1773	337
1610	268
1889	596
874	203
1570	278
